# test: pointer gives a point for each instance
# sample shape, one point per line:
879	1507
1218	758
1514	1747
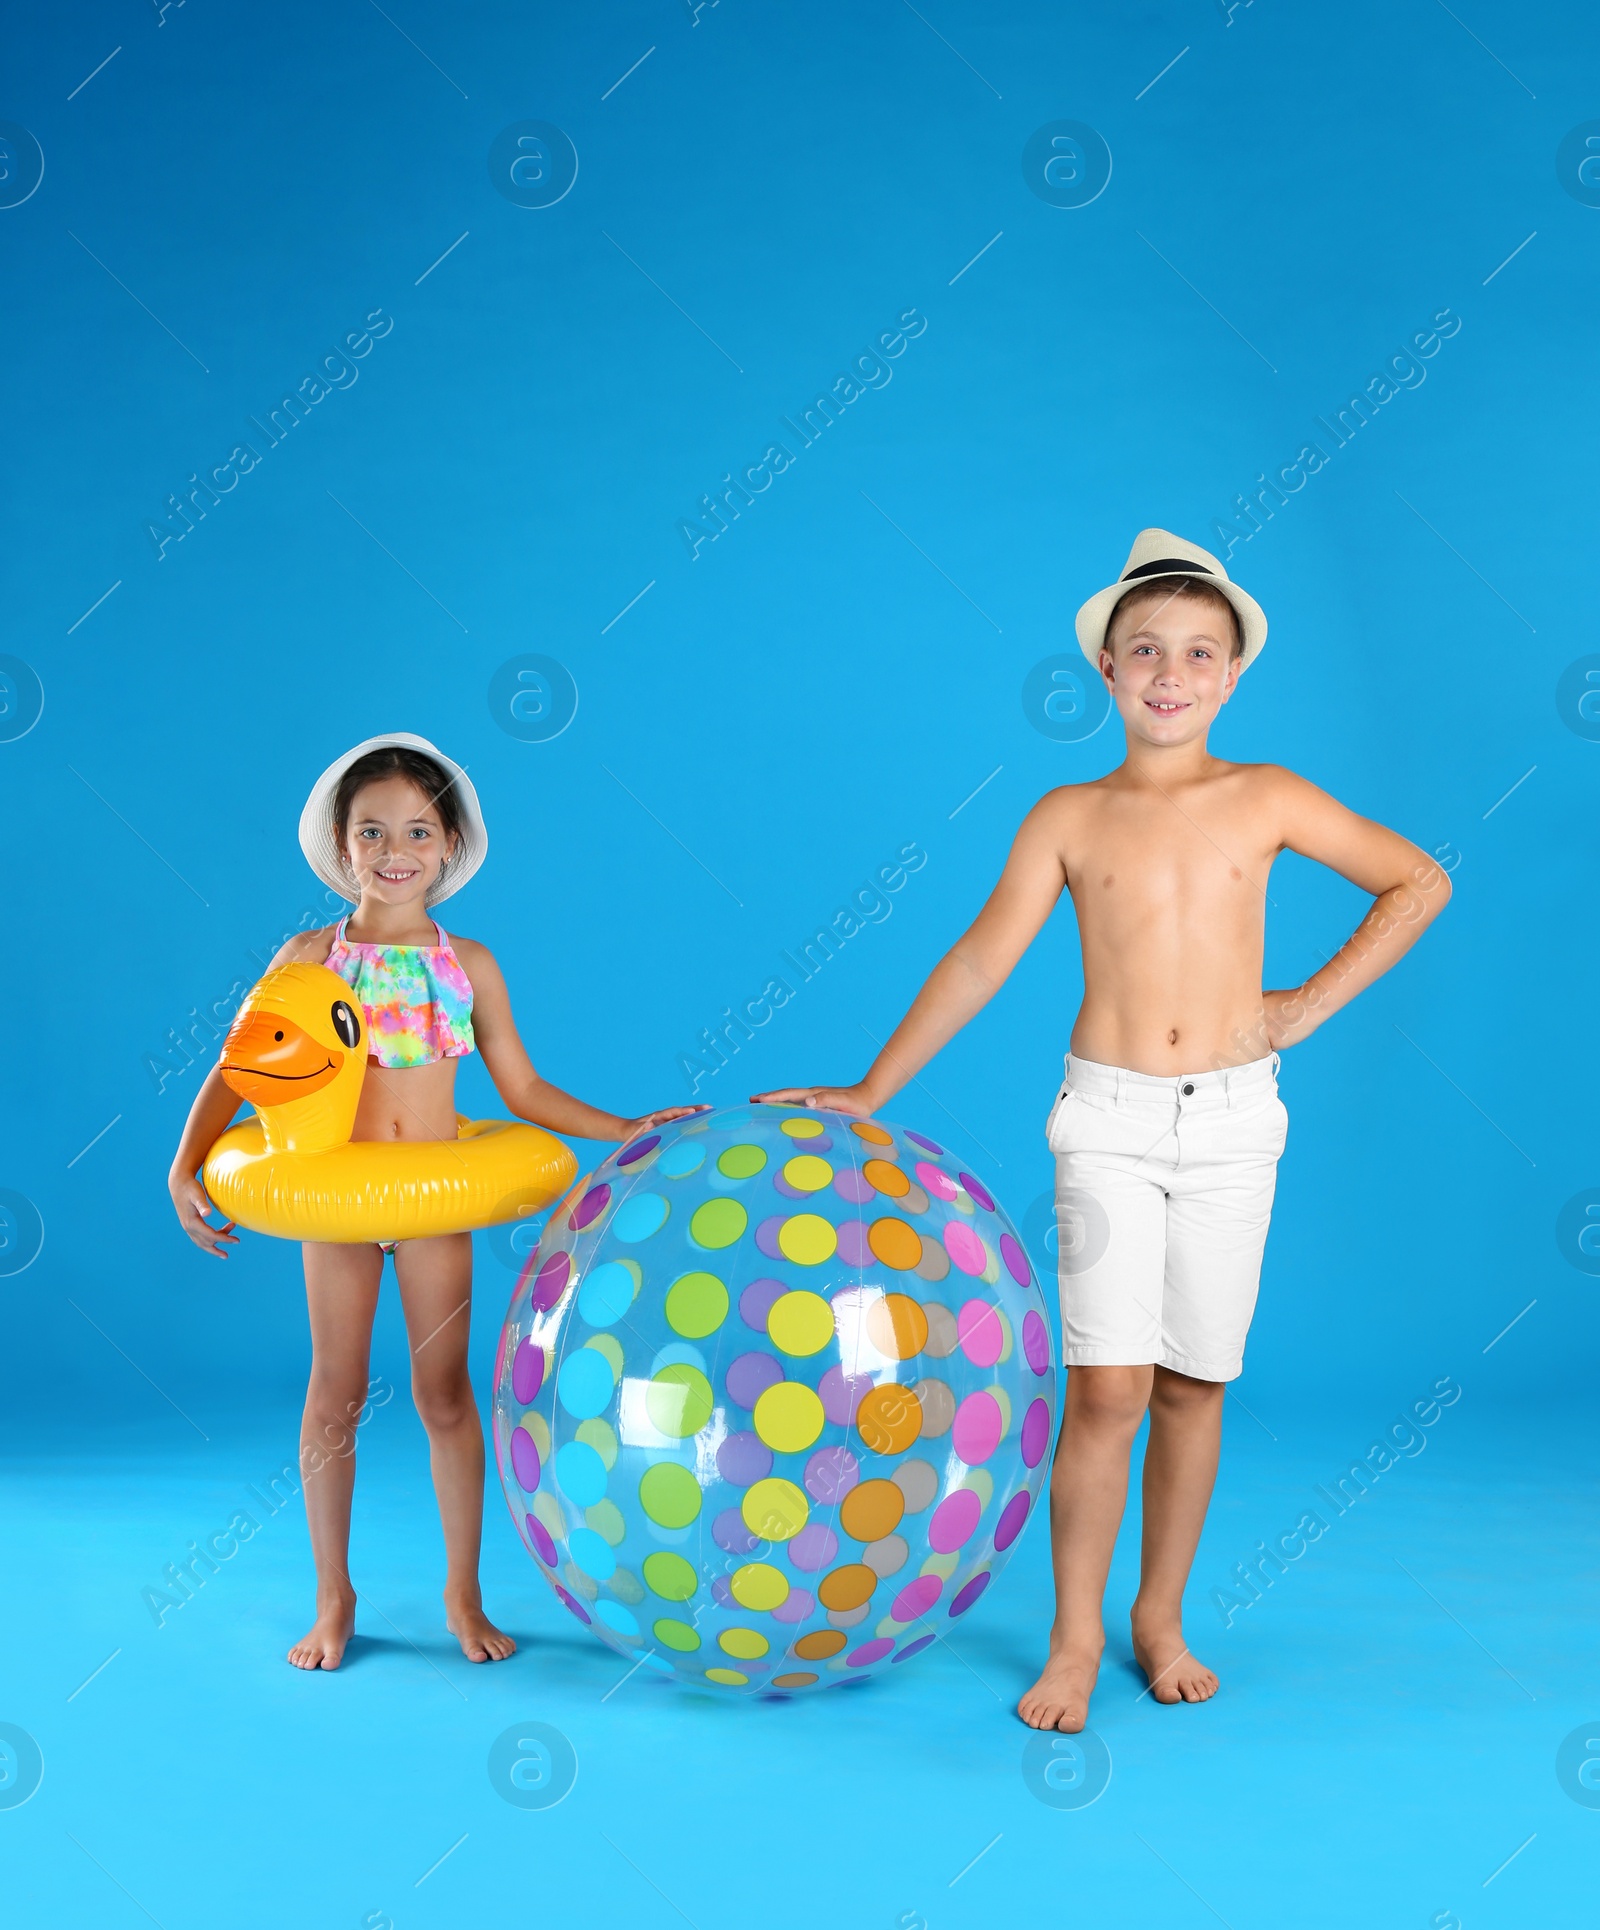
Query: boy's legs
1219	1206
1164	1190
1180	1468
1112	1165
1088	1491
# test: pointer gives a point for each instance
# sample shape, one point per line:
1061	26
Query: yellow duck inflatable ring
296	1052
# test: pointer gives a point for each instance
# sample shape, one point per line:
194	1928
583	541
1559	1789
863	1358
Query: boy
1168	1128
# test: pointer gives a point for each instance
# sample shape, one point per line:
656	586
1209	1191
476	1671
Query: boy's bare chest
1201	850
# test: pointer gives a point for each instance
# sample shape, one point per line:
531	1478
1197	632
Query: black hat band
1168	566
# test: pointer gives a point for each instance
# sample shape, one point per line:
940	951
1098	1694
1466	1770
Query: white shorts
1163	1196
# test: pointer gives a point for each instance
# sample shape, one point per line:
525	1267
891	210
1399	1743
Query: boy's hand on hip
851	1100
1289	1018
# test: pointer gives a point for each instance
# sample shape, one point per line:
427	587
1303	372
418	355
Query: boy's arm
1408	892
506	1060
968	975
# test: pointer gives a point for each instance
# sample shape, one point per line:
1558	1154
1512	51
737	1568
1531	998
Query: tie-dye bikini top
417	999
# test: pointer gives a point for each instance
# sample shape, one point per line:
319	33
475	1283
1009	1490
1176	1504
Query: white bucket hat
320	843
1157	553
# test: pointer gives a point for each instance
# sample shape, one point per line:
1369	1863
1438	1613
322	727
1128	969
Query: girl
395	826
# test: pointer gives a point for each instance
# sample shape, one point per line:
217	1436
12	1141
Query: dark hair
1191	590
395	760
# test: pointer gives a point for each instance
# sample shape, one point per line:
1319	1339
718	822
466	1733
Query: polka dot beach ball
774	1398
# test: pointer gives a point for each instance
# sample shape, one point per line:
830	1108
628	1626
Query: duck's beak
269	1060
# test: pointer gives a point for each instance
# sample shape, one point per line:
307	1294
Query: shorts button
1188	1092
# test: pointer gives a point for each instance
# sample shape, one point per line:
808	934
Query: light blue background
1289	204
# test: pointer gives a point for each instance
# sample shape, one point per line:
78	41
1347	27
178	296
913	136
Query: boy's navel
1108	881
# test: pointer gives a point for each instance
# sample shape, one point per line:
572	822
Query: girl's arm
525	1093
210	1116
968	975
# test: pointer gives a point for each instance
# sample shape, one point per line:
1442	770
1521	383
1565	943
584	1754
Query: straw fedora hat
320	843
1156	555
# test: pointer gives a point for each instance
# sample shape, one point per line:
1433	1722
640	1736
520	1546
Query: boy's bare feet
480	1640
1060	1698
1173	1673
322	1647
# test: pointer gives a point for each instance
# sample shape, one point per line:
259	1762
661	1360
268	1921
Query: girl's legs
436	1290
342	1295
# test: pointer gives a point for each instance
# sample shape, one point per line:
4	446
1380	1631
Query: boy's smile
1170	666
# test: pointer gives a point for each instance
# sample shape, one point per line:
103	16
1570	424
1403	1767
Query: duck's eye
279	1037
346	1024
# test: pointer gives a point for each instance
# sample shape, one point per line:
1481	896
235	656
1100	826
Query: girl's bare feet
322	1647
1174	1674
480	1640
1060	1698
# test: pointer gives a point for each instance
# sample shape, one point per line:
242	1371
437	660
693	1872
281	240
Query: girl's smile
396	845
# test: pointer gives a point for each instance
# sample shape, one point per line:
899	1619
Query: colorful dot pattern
775	1398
